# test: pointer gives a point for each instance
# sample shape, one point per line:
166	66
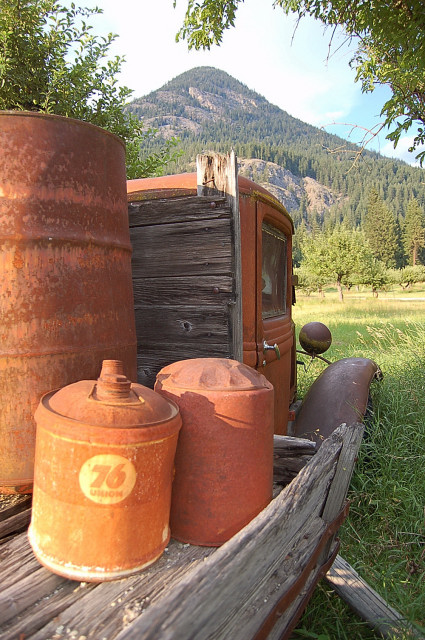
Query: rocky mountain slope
208	109
289	189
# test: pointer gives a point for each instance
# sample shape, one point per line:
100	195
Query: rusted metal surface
224	458
315	338
339	395
66	293
103	474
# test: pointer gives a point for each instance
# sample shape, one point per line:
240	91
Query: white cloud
401	152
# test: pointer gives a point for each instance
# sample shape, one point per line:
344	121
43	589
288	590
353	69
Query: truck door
274	331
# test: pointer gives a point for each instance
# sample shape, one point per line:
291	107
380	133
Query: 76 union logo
107	478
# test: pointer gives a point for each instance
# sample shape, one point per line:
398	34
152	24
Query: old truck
212	277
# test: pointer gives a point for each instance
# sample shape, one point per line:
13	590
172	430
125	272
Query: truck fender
340	394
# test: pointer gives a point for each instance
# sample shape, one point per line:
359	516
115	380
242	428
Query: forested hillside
209	110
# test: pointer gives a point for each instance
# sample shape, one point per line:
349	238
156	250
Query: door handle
269	347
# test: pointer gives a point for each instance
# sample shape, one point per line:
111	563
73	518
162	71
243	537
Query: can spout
112	383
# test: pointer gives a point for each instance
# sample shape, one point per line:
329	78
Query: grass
384	536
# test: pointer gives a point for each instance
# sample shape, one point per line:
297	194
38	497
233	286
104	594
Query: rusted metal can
66	293
103	474
224	458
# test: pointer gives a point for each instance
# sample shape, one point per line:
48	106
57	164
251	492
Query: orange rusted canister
103	473
66	295
224	458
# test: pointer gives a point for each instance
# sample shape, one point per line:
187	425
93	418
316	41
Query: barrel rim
54	116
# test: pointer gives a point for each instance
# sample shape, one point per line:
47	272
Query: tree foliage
414	230
51	62
390	48
380	230
340	257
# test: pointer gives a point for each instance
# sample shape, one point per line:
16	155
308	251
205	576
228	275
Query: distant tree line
364	256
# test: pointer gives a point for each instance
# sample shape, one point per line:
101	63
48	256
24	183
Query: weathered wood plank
111	606
152	359
16	560
220	172
347	459
288	620
290	456
344	471
171	291
195	248
291	446
44	611
170	210
367	603
246	621
224	581
188	325
15	523
20	595
11	504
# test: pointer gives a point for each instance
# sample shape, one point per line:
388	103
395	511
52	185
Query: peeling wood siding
183	280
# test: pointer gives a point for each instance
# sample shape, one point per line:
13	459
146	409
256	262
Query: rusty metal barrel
103	473
224	458
66	299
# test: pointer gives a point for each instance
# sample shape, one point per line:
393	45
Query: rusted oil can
224	458
103	474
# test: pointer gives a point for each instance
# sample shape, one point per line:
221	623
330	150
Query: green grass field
384	536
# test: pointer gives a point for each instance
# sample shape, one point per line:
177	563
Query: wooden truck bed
254	586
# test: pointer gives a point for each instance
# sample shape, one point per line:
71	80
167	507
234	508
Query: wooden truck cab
212	274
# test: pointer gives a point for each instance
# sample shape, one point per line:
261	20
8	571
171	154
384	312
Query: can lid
215	374
111	401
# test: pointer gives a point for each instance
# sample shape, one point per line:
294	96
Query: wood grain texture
339	489
217	172
15	523
189	325
11	504
367	603
171	291
186	267
290	456
151	359
182	249
170	210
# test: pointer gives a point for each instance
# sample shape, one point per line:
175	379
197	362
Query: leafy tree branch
51	62
390	48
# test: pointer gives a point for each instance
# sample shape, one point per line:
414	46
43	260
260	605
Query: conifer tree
414	230
381	230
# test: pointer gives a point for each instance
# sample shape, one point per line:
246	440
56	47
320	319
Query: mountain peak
206	108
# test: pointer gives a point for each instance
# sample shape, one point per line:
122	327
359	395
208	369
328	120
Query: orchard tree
410	275
374	274
390	48
380	230
340	257
414	230
51	62
309	281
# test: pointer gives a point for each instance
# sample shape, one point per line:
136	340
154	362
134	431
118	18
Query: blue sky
290	67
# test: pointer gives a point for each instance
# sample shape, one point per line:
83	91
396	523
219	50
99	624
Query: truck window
273	271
